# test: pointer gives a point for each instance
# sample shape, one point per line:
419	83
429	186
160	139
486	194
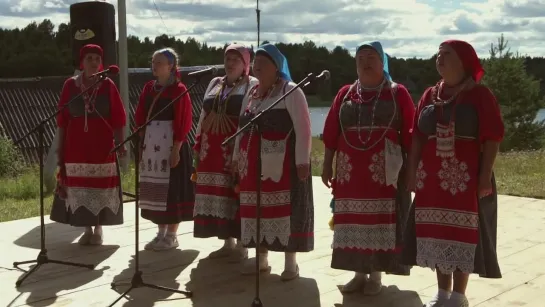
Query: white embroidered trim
204	147
94	200
344	168
216	206
420	176
450	218
243	163
374	237
453	175
377	167
214	179
363	206
91	170
271	229
446	256
278	198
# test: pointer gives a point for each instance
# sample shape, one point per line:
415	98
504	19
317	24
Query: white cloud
407	28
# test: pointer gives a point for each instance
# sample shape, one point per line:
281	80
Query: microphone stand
254	122
137	281
42	255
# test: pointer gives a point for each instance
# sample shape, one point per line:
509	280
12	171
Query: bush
10	162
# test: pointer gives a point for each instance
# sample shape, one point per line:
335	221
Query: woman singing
287	214
89	191
166	190
457	132
368	128
216	204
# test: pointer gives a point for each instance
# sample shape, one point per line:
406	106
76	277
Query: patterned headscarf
377	46
244	53
90	48
468	56
278	58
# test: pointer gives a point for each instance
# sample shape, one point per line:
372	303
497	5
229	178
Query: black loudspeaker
93	23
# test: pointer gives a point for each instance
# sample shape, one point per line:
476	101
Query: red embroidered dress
216	211
446	214
362	128
91	174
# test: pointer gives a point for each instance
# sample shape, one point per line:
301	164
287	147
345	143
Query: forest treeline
518	82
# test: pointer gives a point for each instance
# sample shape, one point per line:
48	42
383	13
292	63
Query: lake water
318	115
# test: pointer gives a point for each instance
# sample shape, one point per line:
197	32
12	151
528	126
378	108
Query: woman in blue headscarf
287	215
368	130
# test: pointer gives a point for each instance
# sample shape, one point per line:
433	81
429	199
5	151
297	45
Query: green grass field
519	174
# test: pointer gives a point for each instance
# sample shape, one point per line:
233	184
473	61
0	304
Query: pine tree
518	95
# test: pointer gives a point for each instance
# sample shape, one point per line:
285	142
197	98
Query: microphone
112	69
324	75
210	70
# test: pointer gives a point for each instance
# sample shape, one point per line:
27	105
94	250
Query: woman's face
91	63
160	65
369	65
233	63
264	68
449	65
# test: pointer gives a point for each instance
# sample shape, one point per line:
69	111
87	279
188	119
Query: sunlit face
264	68
369	65
449	65
160	65
91	63
233	63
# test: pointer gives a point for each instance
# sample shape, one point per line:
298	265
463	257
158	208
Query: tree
519	96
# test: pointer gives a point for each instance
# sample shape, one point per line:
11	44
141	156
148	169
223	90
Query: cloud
407	28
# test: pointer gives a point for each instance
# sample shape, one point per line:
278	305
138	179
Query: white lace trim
94	200
214	179
453	175
344	168
271	229
216	206
374	237
91	170
278	198
452	218
356	206
446	256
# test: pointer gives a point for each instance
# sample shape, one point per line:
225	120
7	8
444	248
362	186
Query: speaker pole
124	70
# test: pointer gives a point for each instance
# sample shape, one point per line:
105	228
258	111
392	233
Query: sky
406	28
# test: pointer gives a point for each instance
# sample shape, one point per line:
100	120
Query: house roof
25	102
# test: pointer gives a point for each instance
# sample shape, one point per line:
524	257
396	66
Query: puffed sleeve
491	127
64	116
140	113
118	117
253	83
183	116
332	128
297	107
406	106
423	102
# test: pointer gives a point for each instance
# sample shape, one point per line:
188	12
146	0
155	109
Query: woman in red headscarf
216	203
89	190
457	131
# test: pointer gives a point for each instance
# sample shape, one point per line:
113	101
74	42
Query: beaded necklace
89	99
217	121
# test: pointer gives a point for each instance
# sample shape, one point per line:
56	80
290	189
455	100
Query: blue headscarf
278	58
377	46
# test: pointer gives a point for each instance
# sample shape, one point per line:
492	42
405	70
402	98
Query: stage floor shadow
390	296
217	283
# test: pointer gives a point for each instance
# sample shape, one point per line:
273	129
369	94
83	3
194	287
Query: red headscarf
468	56
90	48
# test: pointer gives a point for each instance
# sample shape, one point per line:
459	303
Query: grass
517	173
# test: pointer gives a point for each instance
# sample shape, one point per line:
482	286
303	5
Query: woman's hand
174	157
327	175
485	186
303	171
